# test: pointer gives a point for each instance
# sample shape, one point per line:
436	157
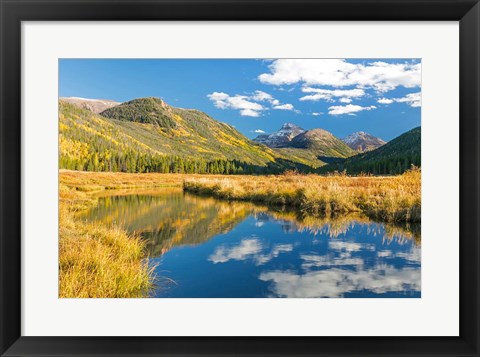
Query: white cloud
246	248
381	76
329	95
249	113
413	99
315	114
350	246
349	109
345	269
275	252
262	96
250	248
224	101
384	254
248	105
316	261
337	282
258	131
414	255
283	107
385	101
313	71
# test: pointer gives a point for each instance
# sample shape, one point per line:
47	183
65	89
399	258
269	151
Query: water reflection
249	248
168	218
215	248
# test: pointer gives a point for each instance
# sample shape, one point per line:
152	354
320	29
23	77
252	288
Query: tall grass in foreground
97	261
388	199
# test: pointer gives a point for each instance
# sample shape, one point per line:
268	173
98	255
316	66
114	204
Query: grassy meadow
387	199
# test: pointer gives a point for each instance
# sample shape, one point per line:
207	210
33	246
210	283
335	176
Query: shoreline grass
104	262
96	261
100	262
387	199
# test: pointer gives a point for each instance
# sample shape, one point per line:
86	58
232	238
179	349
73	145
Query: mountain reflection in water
209	248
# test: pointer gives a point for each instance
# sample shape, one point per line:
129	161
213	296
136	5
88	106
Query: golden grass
97	181
388	199
99	262
96	261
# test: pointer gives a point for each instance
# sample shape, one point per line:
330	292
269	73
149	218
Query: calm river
203	247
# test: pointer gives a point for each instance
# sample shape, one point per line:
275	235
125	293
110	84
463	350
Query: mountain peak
322	142
361	141
280	138
149	110
150	100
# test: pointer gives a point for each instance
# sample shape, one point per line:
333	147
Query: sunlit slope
89	142
178	137
300	156
186	132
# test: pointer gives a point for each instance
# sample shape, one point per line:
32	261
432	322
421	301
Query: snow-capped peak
362	141
282	137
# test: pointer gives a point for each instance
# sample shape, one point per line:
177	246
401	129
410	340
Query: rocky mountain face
280	138
94	105
361	141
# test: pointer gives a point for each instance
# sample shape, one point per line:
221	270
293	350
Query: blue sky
378	96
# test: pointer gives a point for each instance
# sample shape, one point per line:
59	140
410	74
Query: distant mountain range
147	134
291	135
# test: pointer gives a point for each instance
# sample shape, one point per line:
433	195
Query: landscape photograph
240	178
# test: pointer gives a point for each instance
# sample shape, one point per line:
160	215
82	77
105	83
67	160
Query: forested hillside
395	157
163	139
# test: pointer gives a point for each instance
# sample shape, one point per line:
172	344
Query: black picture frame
13	12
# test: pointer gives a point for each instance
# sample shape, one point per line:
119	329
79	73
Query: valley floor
108	262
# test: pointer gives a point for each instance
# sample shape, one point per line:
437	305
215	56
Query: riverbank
101	261
387	199
98	261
